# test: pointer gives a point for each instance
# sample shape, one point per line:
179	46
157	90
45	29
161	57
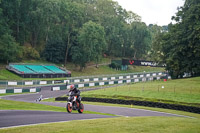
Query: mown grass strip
17	105
182	91
89	71
116	125
137	107
7	94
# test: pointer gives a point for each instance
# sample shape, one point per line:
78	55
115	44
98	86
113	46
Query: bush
30	53
9	49
55	51
115	65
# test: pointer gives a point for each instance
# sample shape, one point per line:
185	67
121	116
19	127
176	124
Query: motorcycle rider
75	92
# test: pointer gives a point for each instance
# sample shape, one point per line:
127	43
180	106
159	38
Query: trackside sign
141	63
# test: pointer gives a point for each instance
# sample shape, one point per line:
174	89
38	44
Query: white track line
48	123
149	111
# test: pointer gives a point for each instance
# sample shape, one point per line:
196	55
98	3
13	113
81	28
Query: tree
156	38
139	40
91	43
181	45
34	23
9	49
55	51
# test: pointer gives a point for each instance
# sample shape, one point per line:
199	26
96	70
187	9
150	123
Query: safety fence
139	103
109	82
89	81
84	79
28	90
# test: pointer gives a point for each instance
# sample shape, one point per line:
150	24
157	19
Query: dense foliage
83	30
55	30
91	44
180	47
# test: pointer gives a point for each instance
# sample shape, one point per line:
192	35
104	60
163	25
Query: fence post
174	89
143	87
143	83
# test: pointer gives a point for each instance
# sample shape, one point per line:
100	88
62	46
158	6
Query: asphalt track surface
12	118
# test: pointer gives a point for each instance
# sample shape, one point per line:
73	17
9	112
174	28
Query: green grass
195	115
116	125
181	91
120	124
88	71
135	106
7	94
105	70
16	105
7	75
36	62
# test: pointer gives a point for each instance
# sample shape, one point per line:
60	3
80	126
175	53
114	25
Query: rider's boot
73	105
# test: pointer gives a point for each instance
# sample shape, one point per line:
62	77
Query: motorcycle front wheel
69	108
81	108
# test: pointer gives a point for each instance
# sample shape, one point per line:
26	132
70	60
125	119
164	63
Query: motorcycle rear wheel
69	109
81	109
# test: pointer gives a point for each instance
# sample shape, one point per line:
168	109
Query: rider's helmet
72	87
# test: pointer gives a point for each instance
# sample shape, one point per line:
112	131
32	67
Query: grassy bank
16	105
106	70
112	125
181	91
88	71
137	107
117	125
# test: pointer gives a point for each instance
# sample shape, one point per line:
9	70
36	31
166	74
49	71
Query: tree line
179	48
81	31
78	31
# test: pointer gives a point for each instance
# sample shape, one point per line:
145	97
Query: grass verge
137	107
181	91
88	71
105	70
7	94
117	125
120	124
17	105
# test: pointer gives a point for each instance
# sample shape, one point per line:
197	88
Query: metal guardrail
22	90
42	82
95	82
111	75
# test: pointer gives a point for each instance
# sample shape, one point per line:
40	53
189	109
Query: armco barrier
101	83
57	88
86	79
120	80
139	103
31	90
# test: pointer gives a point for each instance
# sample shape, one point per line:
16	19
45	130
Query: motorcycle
73	104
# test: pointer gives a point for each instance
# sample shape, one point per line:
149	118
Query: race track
10	118
19	117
